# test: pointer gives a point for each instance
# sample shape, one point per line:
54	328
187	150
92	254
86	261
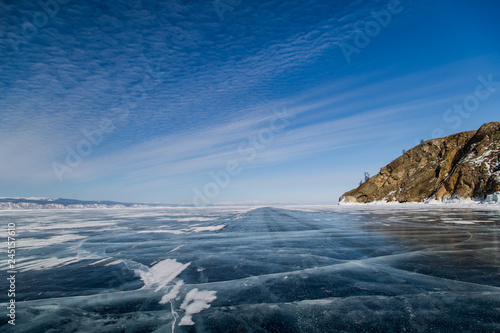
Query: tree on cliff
362	181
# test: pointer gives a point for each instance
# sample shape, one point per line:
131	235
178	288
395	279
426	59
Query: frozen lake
239	269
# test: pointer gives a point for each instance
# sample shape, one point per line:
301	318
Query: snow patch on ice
67	226
43	264
458	221
162	231
211	228
114	262
187	230
177	248
195	302
173	293
34	243
161	273
198	219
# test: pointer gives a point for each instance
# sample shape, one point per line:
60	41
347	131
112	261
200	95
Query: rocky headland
461	166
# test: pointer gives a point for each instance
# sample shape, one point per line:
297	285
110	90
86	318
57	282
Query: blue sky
233	101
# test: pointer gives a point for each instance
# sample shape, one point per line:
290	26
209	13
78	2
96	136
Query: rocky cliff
463	165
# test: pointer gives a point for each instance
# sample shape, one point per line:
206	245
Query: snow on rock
493	198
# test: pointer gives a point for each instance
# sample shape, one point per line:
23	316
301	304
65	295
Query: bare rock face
463	165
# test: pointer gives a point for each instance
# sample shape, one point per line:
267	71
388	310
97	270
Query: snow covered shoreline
491	200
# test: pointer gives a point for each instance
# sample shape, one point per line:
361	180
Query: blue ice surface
330	269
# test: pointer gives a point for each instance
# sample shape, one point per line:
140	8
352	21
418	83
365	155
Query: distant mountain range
457	167
49	203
